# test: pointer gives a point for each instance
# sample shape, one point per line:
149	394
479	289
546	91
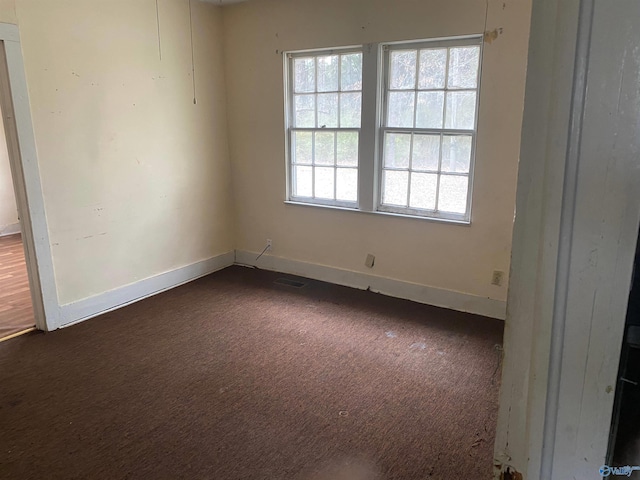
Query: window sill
465	223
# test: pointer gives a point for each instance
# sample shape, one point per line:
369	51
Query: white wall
136	178
449	257
8	209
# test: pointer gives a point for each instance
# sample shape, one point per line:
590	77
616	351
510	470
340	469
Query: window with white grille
429	127
325	110
385	127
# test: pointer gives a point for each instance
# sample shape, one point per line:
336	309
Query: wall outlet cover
370	260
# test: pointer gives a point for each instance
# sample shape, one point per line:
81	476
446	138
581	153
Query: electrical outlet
370	260
497	277
269	244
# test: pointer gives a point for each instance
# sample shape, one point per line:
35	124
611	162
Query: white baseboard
86	308
10	229
438	297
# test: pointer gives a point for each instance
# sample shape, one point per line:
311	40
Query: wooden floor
16	311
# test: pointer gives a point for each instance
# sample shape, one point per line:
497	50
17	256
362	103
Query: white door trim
575	235
541	171
603	236
14	102
566	238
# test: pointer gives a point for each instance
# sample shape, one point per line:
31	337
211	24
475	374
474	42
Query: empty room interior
314	240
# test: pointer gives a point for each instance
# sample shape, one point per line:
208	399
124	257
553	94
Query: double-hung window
325	99
429	127
420	146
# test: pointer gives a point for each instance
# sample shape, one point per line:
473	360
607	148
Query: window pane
347	184
400	112
433	63
426	152
397	148
351	71
328	73
304	75
305	111
453	193
395	188
302	181
461	110
303	151
324	183
328	110
463	67
403	69
456	153
430	107
348	149
324	148
423	190
350	110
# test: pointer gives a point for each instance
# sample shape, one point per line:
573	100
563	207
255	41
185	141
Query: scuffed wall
451	257
136	178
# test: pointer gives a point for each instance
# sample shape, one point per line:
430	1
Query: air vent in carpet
287	282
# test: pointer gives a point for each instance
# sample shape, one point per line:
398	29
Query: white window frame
374	81
385	78
289	58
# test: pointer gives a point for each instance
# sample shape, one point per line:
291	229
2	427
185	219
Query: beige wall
8	208
457	258
136	178
8	11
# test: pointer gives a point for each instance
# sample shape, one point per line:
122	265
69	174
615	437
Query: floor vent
287	282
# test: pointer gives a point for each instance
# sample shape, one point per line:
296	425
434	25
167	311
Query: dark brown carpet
235	377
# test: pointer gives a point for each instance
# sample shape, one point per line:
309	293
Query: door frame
576	227
23	160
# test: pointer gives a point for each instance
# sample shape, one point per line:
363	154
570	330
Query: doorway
16	308
35	253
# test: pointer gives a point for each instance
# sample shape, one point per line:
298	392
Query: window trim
370	147
289	113
384	80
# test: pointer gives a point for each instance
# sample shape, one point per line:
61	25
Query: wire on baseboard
263	251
